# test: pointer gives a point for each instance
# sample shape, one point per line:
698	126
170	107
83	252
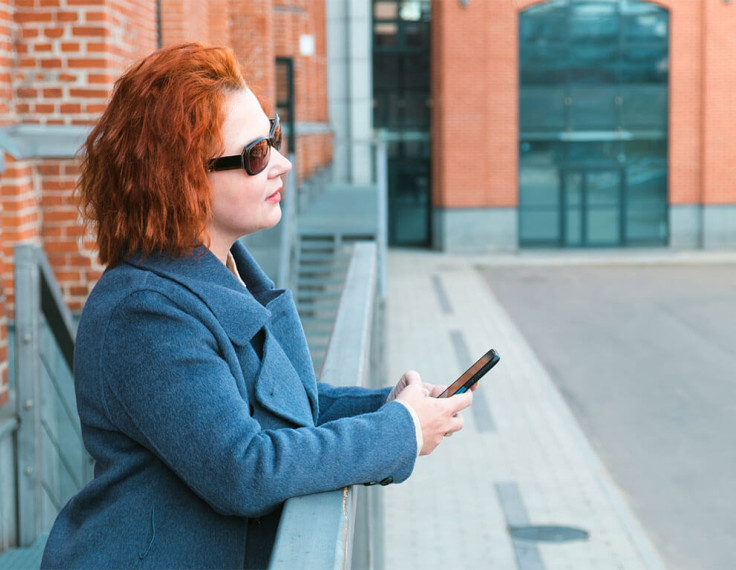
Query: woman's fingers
437	416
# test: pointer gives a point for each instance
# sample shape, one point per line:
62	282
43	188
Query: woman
194	382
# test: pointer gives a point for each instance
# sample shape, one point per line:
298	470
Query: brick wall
189	20
686	101
254	45
292	20
474	105
719	117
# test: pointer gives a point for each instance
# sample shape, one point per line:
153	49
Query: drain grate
548	533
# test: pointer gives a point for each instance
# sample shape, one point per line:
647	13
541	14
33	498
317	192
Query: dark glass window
401	110
401	85
593	123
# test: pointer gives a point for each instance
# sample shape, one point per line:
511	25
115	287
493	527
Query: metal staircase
334	221
321	265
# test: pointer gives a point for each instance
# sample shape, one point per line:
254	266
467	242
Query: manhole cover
548	533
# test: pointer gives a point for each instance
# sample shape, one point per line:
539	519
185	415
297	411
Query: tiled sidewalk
521	461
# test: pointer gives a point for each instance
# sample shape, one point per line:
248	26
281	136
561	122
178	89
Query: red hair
144	183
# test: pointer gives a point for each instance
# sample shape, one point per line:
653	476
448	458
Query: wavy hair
143	185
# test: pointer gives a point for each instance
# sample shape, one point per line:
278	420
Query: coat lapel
285	382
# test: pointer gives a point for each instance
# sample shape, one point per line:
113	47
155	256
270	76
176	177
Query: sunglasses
255	156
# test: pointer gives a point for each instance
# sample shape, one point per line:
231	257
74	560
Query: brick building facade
475	123
58	62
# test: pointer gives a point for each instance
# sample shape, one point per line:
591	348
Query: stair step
307	320
317	294
312	258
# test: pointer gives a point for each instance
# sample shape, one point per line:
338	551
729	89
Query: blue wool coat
200	407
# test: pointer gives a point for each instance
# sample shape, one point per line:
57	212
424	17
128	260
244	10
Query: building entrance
593	123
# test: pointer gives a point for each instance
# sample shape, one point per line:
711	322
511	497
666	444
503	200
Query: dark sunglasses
255	156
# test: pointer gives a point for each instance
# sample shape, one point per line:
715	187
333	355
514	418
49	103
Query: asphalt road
645	356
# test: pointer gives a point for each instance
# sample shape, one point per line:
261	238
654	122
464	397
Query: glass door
592	207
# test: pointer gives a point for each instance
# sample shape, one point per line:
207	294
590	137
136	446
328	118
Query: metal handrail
46	474
317	531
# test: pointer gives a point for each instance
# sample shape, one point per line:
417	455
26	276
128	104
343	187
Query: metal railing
51	464
334	530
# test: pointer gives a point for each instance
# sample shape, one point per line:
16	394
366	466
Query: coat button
387	481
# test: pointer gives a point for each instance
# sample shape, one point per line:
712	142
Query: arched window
593	123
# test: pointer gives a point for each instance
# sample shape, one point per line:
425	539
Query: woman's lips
275	197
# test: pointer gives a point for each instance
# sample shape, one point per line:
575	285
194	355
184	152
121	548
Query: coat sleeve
342	402
167	386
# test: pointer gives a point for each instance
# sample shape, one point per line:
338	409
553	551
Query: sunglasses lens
277	137
258	156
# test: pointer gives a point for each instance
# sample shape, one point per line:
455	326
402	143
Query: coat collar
241	311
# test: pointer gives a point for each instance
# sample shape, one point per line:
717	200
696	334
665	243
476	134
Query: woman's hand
412	377
437	417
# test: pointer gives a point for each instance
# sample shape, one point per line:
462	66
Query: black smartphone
472	374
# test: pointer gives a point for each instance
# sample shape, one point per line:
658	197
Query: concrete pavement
520	486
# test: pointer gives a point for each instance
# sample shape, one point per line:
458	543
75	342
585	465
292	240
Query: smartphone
472	374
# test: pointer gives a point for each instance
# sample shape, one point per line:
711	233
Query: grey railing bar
68	411
316	531
60	453
54	500
58	317
28	390
348	351
37	298
382	233
7	427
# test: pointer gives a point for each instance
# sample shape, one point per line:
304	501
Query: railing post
28	390
382	230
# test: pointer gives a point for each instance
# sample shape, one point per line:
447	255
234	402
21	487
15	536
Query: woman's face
243	204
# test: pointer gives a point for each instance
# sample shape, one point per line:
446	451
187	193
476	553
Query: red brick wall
314	152
686	101
292	19
474	105
20	217
189	20
719	117
219	22
68	58
252	35
71	253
